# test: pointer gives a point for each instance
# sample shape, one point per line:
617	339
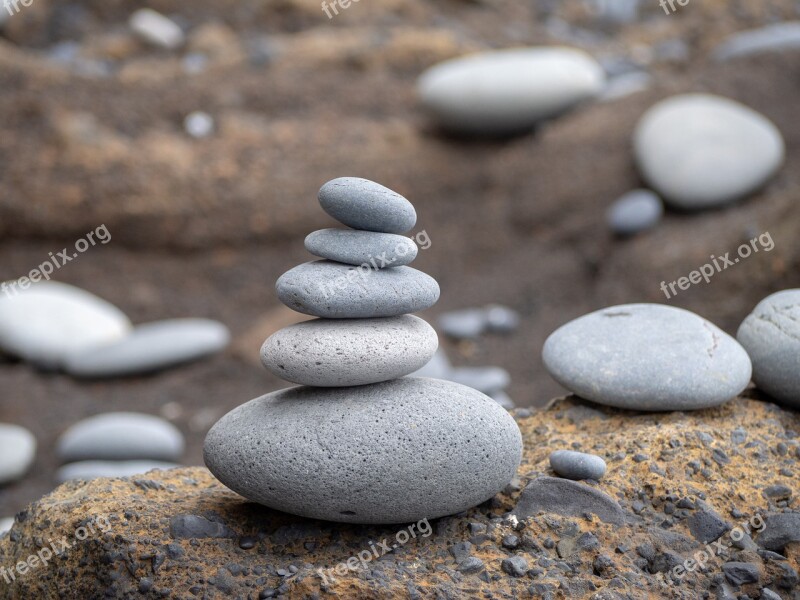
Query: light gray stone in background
92	469
484	379
771	336
335	291
502	399
355	247
625	85
347	352
647	357
504	92
577	465
501	319
393	452
773	38
156	29
701	151
17	452
635	211
363	204
5	525
438	367
121	436
199	124
151	347
50	321
464	324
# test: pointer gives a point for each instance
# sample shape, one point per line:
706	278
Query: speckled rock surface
182	534
336	291
375	454
342	352
363	204
354	247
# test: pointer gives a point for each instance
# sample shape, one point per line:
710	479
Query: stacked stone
358	441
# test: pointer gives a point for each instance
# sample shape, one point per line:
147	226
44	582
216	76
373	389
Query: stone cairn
357	441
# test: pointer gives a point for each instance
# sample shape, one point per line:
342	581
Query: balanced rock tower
357	441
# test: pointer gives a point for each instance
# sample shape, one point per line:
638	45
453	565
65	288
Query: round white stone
17	452
508	91
701	151
49	321
345	352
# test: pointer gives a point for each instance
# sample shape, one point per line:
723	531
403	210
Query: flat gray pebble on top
121	436
335	291
647	357
771	336
577	465
635	211
363	204
17	452
92	469
344	352
382	453
151	347
355	247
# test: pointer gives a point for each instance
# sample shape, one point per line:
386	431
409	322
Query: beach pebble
577	465
567	498
438	367
505	92
151	347
354	247
484	379
392	452
772	38
5	525
17	452
364	204
463	324
48	322
502	399
335	291
92	469
121	436
771	336
635	211
199	124
343	352
700	151
156	29
647	357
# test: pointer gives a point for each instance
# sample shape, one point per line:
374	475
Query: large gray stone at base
345	352
647	357
336	291
391	452
363	204
354	247
771	336
567	498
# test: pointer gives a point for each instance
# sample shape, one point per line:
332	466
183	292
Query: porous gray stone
635	211
779	530
505	92
354	247
700	151
17	452
345	352
363	204
335	291
151	347
392	452
121	436
92	469
771	336
647	357
567	498
577	465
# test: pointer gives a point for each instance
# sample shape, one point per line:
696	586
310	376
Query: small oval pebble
700	151
647	357
151	347
392	452
771	336
342	352
335	291
636	211
17	452
364	204
92	469
121	436
354	247
577	465
49	321
504	92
